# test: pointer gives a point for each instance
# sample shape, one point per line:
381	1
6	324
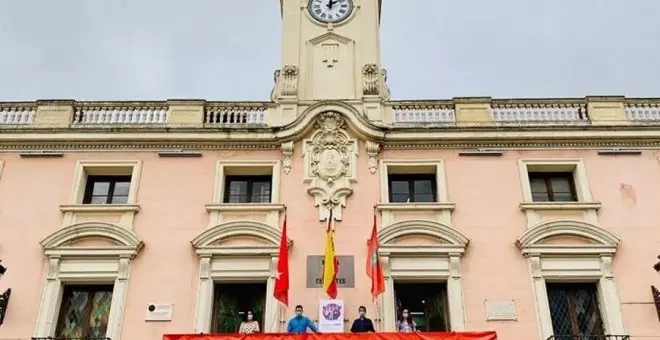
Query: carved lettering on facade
330	164
287	155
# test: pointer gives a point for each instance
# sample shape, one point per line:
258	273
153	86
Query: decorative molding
440	260
128	243
372	149
289	80
235	262
330	164
87	264
451	237
599	240
570	262
287	156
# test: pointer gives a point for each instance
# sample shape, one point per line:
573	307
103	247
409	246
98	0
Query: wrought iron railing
64	338
589	337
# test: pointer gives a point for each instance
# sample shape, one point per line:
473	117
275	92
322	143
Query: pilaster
204	306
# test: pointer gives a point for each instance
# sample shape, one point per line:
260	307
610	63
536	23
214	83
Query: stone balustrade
457	112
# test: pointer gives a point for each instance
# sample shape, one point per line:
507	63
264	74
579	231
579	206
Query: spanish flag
330	267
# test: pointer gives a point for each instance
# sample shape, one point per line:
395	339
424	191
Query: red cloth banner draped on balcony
339	336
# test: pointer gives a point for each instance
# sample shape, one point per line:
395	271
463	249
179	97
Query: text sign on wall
345	276
501	310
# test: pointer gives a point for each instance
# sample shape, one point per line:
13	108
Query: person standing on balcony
249	324
405	324
362	324
299	323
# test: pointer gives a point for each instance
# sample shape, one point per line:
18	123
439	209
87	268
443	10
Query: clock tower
330	51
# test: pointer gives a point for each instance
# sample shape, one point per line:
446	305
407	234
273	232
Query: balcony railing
589	337
457	112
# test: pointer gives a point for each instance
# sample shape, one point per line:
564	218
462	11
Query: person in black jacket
362	324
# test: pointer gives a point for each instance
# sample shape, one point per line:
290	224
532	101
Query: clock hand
332	3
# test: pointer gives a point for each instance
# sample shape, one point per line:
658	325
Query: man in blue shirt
299	323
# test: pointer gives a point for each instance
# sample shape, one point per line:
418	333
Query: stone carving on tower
374	81
285	82
330	160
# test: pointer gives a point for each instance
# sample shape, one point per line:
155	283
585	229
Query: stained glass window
84	311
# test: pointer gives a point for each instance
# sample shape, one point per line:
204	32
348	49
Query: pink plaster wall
173	192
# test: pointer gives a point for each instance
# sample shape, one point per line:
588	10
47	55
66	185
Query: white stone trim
438	262
104	167
573	165
238	264
87	264
591	261
439	170
272	167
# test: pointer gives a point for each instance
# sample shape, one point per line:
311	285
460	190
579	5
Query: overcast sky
228	49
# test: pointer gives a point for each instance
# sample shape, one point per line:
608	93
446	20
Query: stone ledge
99	208
559	205
415	206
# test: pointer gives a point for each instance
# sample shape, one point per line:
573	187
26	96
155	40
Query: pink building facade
130	220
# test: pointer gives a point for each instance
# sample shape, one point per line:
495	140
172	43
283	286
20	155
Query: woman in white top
405	324
249	324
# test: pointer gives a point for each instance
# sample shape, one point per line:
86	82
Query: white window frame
104	167
573	165
224	167
589	262
71	264
415	166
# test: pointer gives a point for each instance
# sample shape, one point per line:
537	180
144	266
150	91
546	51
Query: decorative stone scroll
287	154
370	79
372	149
374	81
286	82
330	157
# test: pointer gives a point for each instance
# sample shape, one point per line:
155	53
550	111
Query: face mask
405	315
361	314
298	314
249	317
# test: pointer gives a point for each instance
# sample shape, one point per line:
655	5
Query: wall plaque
345	276
501	310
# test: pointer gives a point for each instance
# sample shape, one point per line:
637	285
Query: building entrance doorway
232	300
426	302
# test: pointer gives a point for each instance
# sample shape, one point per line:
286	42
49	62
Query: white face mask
405	315
249	317
361	314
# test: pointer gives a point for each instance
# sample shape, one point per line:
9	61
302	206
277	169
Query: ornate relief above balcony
330	158
374	81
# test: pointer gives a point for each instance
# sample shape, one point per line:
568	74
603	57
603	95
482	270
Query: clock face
330	10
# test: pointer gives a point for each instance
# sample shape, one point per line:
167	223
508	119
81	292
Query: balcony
589	337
